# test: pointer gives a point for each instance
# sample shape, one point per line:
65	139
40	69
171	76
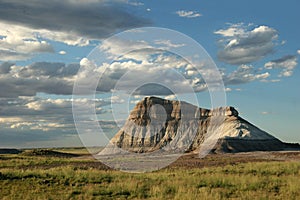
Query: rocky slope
157	123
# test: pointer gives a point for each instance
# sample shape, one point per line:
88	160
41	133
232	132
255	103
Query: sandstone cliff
157	123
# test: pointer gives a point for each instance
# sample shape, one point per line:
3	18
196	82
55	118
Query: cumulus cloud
96	19
298	51
135	3
151	70
34	113
168	44
244	74
156	73
51	78
28	119
144	67
17	43
116	47
242	44
71	22
287	65
62	52
147	71
188	14
151	78
6	55
144	72
116	99
5	67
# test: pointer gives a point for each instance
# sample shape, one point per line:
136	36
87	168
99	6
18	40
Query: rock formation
156	123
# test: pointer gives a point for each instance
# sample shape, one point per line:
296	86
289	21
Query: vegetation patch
51	177
47	152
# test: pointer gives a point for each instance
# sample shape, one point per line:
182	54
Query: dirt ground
192	160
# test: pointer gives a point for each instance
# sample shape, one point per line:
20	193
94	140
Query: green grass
34	177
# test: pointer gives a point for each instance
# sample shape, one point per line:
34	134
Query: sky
45	46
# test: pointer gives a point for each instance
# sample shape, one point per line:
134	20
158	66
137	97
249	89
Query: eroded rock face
157	123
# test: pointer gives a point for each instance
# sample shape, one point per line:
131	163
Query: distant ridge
47	152
9	151
155	123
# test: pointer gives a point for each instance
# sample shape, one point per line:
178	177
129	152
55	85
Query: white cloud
140	50
233	30
267	113
134	102
39	126
245	74
135	3
116	47
44	104
64	37
6	55
137	96
62	53
242	44
34	113
58	78
298	51
287	73
18	43
155	68
228	89
51	78
71	22
144	66
188	14
163	69
116	99
275	80
6	120
168	44
28	39
262	76
152	66
287	65
159	68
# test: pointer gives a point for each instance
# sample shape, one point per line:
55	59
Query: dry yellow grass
37	177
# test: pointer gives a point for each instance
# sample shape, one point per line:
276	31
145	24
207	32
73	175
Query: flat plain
71	173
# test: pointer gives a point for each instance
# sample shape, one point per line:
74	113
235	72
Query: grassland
26	176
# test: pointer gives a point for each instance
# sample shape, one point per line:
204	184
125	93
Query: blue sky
255	45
